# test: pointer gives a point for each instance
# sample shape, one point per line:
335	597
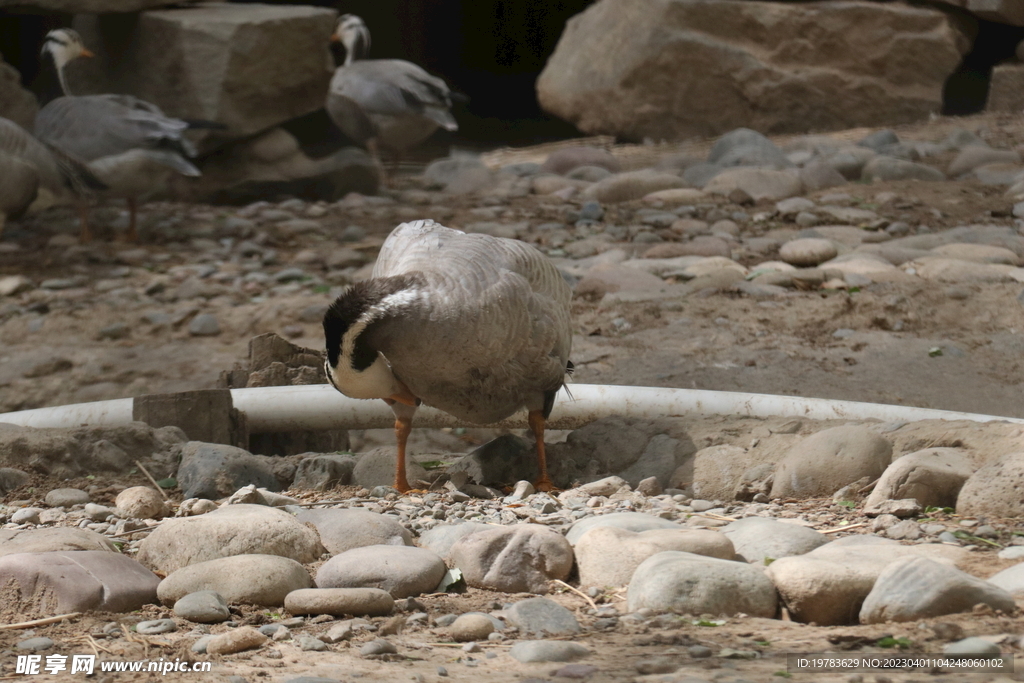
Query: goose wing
96	126
395	87
489	332
56	170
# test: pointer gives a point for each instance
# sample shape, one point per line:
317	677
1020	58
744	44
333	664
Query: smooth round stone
204	325
97	513
971	647
310	644
401	570
35	644
203	607
141	502
1014	552
65	498
542	616
155	626
807	251
471	627
243	638
26	516
378	647
358	602
547	651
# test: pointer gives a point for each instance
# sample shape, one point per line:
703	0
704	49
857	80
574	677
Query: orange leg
403	427
536	421
83	219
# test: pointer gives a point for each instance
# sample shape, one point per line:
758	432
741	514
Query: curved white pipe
320	407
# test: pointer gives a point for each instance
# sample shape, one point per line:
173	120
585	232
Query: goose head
353	366
63	45
353	34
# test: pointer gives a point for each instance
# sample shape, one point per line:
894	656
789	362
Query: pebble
378	647
969	647
156	626
35	644
310	644
204	325
141	502
541	616
471	627
527	651
204	607
65	498
372	602
237	640
26	516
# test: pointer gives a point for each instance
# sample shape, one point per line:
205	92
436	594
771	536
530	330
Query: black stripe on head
348	308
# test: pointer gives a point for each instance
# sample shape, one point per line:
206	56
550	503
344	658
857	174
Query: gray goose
474	325
27	167
129	144
388	103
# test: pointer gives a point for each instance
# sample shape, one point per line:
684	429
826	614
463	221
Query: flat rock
528	651
564	160
933	476
400	570
377	468
992	491
608	555
51	539
760	539
540	617
209	470
940	269
979	253
918	588
240	579
356	602
807	252
885	168
826	461
682	582
44	583
520	558
65	498
203	607
971	157
228	531
235	640
342	530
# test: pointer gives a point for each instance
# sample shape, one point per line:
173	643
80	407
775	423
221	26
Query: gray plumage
487	334
390	101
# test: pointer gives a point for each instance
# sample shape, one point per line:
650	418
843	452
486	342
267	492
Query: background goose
474	325
129	144
384	102
27	167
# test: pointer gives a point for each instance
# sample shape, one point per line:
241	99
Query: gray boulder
630	448
918	588
826	461
213	470
321	472
994	490
231	530
608	556
745	147
377	468
760	539
442	537
933	476
342	530
41	584
499	462
400	570
540	617
51	539
520	558
674	581
736	73
239	579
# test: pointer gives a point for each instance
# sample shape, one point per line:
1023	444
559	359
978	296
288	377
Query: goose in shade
30	169
389	103
129	144
474	325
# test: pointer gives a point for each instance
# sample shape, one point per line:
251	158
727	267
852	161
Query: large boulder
247	66
933	476
994	490
672	69
826	461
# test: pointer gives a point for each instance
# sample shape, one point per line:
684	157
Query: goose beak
335	38
86	53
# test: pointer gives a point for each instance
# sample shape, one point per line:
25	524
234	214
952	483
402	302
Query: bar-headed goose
388	103
474	325
29	168
129	144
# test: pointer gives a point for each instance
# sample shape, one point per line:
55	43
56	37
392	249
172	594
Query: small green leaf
90	476
763	643
889	641
432	464
851	290
768	561
709	622
168	483
783	674
451	581
321	289
847	503
935	351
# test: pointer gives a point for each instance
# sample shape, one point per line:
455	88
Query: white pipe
320	407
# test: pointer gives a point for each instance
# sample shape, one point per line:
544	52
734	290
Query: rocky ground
888	273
